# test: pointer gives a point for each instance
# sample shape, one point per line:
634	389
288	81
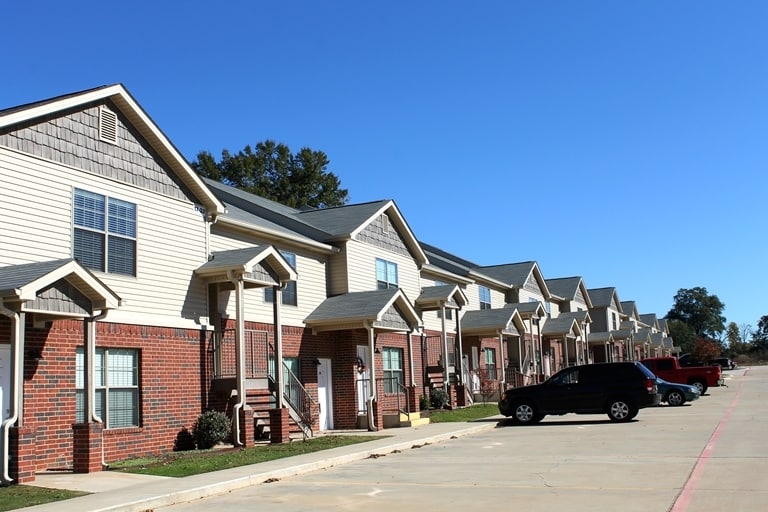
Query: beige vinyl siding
171	238
362	269
310	286
338	273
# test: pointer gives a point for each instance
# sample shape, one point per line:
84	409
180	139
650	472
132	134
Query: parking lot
710	455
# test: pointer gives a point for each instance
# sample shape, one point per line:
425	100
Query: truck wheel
524	413
675	397
620	409
701	385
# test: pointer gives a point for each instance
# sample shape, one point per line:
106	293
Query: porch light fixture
317	362
35	354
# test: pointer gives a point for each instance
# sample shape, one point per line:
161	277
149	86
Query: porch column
502	380
278	347
461	349
446	373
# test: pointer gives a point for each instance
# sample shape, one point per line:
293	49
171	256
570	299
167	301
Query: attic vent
384	223
107	126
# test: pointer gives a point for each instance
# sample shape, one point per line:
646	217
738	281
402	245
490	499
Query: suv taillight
650	385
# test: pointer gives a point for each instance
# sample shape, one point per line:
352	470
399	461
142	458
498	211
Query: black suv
617	389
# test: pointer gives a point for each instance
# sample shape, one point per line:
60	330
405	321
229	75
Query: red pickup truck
668	368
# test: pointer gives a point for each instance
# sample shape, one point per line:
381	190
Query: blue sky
624	142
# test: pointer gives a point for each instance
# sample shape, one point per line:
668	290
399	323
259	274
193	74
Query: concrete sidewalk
124	492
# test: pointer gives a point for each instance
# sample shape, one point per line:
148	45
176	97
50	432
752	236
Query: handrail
403	391
299	400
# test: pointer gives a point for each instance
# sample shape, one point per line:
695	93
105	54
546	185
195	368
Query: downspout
16	352
239	356
90	388
371	376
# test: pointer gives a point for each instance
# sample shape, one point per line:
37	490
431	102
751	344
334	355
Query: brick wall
172	373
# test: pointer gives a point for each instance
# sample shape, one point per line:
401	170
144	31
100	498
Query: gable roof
492	322
343	223
568	288
247	262
515	275
434	297
128	107
629	308
561	326
605	297
580	316
21	283
367	309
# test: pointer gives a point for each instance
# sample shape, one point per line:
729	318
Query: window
490	363
613	321
393	369
386	274
485	297
289	295
105	233
116	380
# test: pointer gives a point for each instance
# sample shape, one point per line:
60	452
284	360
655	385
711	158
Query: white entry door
5	381
325	393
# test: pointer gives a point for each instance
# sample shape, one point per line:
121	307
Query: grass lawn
18	496
475	412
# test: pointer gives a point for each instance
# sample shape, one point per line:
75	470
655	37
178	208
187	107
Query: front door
325	393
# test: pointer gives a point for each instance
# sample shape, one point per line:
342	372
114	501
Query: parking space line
684	498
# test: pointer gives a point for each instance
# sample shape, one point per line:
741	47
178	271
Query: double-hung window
386	274
490	363
485	297
289	296
105	233
393	369
116	382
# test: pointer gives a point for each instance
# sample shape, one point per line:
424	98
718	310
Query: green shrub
423	403
439	398
211	428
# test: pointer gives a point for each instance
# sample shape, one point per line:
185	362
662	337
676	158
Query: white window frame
111	224
386	274
113	383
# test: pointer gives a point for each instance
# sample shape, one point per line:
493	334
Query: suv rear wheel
620	409
524	413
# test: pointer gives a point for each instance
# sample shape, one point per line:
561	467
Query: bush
423	403
439	398
211	428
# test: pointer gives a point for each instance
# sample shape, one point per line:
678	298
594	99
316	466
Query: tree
705	350
700	311
736	344
682	334
273	172
759	342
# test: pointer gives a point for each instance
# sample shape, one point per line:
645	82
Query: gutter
16	351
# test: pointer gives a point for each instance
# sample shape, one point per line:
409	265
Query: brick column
21	451
413	399
461	395
87	447
451	396
247	428
279	425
